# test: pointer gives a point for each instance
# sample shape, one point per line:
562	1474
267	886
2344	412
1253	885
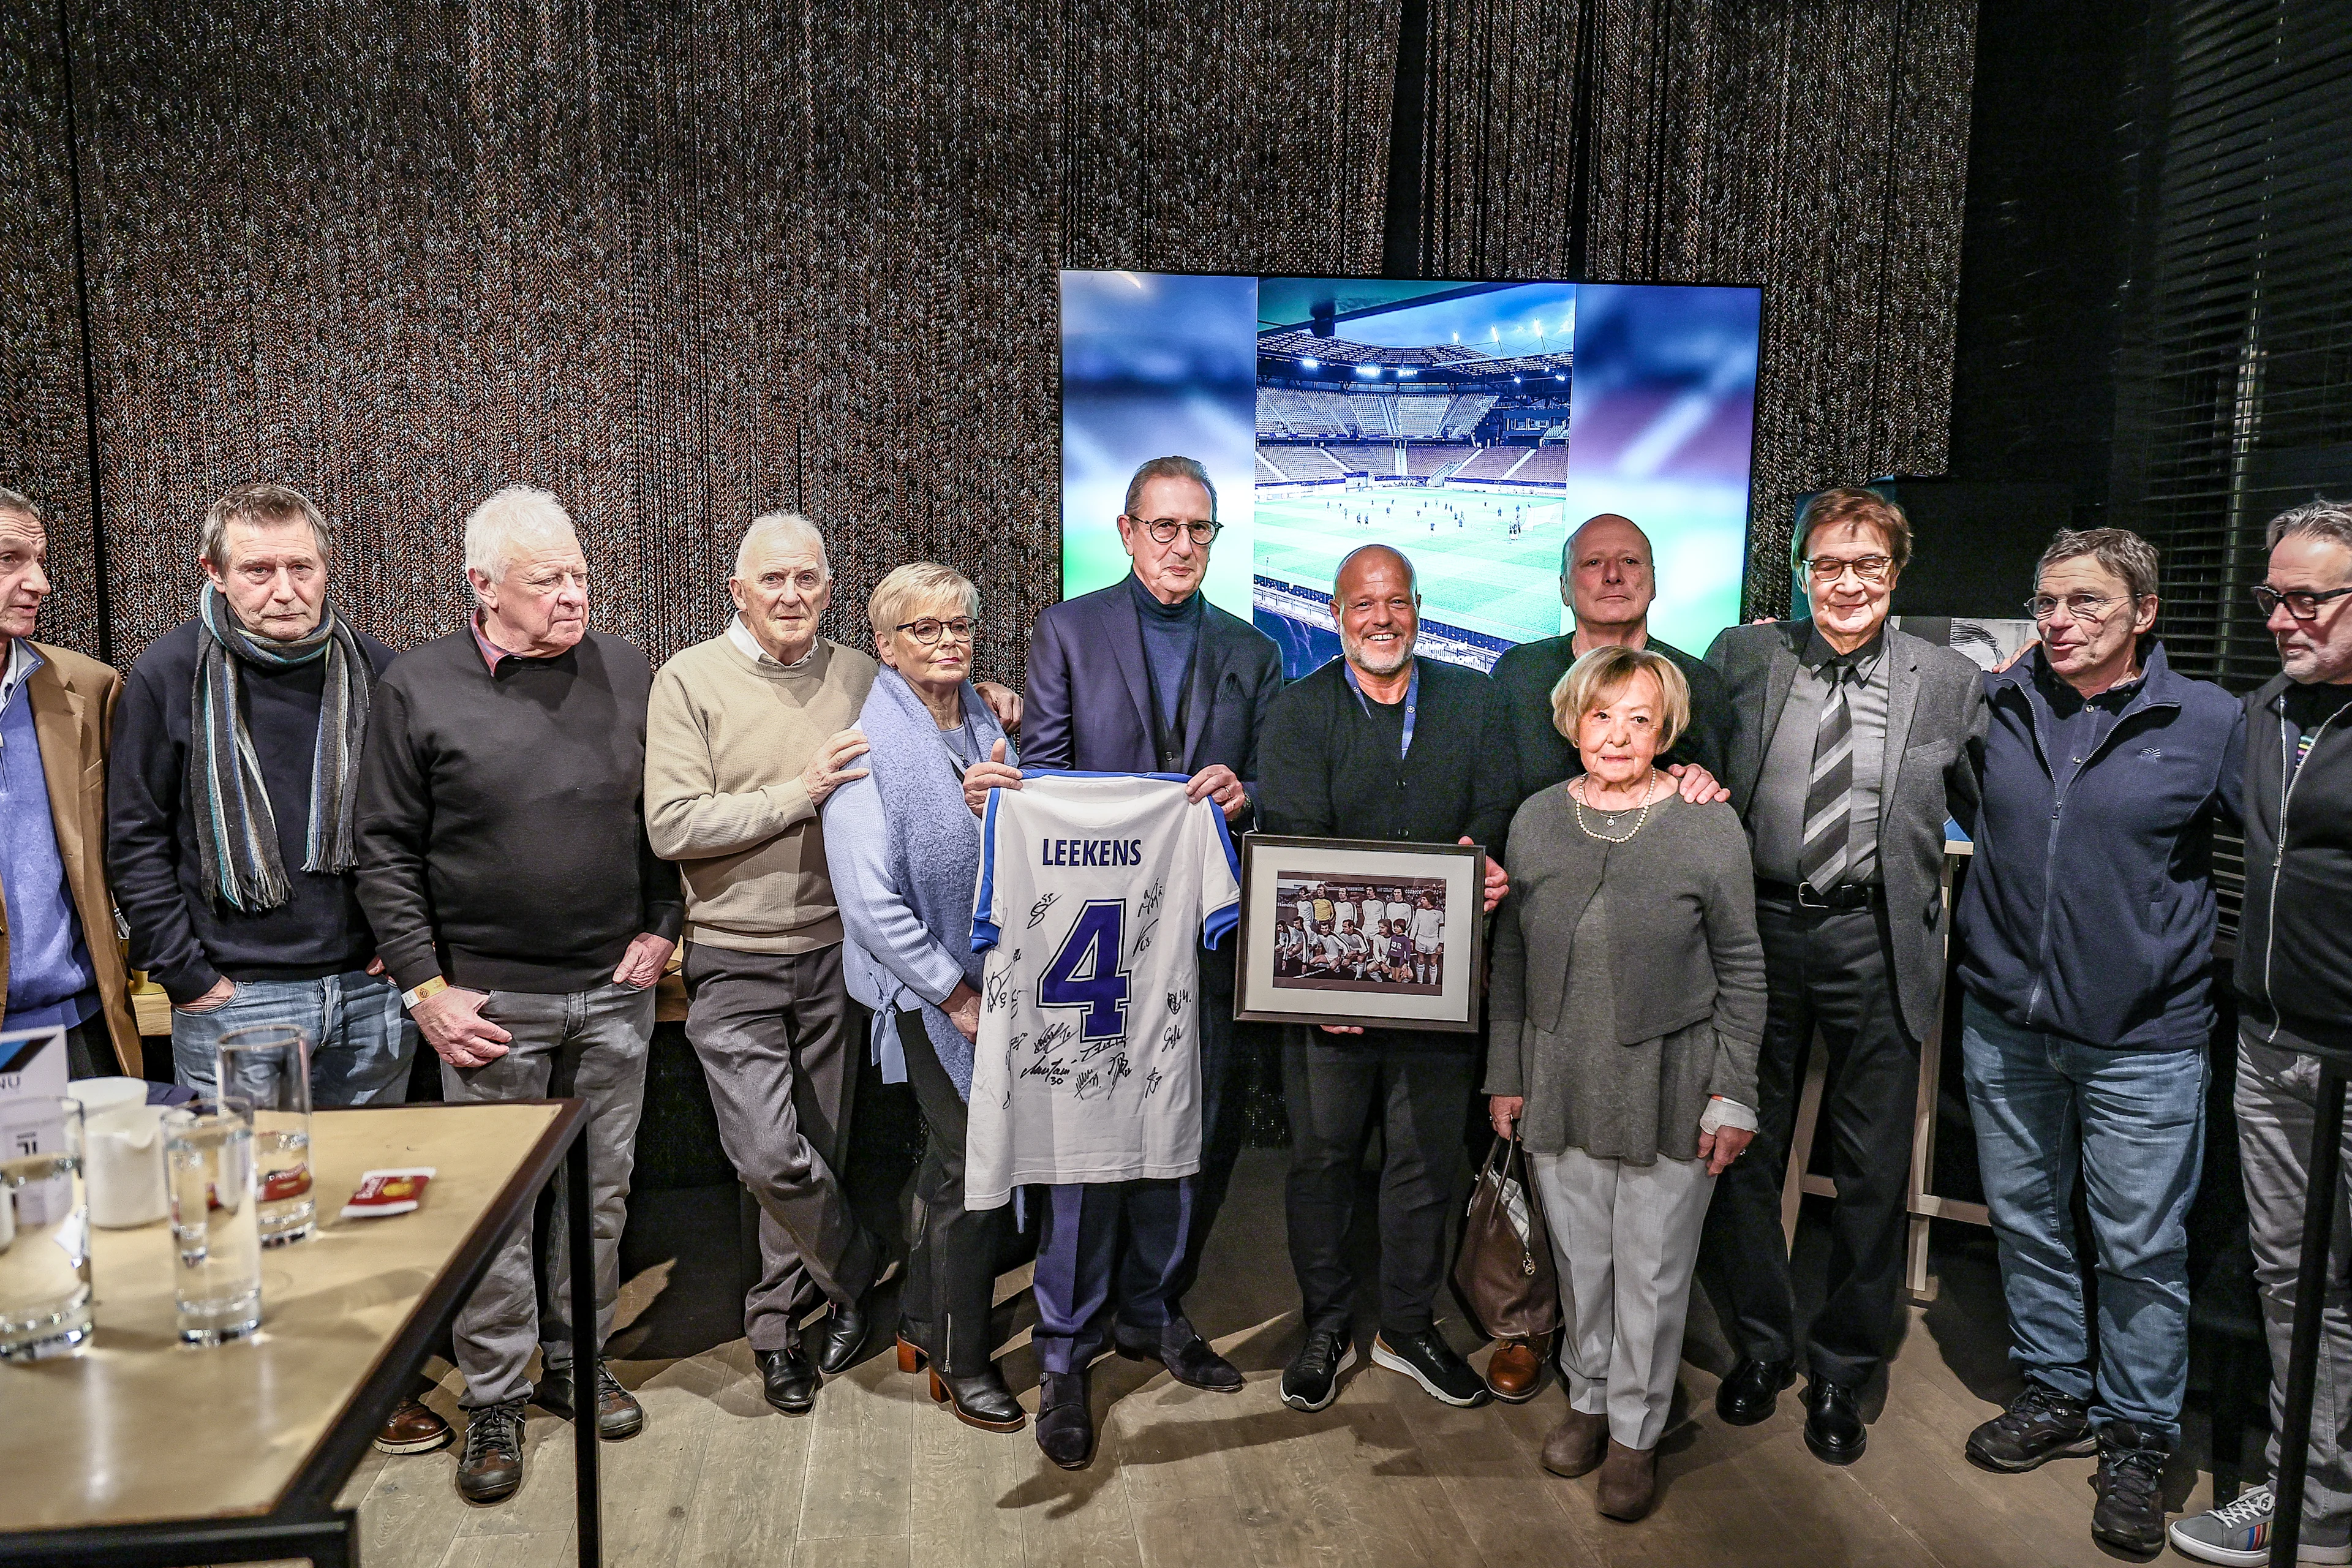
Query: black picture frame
1261	998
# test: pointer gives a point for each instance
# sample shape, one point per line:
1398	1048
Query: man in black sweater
263	925
235	942
1379	744
519	907
1606	578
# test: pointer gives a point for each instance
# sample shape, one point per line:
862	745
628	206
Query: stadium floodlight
1562	376
1370	370
1311	364
1406	372
1514	381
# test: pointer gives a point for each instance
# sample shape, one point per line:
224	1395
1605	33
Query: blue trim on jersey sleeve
984	935
1225	837
1075	774
1218	922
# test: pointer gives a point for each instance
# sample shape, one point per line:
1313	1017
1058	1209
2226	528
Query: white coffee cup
124	1148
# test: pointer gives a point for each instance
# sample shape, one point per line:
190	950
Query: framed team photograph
1354	931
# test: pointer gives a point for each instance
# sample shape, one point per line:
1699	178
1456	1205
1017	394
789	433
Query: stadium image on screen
1472	426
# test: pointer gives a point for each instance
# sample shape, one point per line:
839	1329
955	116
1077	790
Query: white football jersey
1096	890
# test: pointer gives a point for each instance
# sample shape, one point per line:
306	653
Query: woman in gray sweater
1627	1001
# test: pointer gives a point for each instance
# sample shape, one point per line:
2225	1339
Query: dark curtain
679	263
1816	147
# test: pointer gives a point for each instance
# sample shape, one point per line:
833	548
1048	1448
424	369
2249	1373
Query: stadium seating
1462	413
1491	463
1429	460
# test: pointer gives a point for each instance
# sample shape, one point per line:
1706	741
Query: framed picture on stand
1361	932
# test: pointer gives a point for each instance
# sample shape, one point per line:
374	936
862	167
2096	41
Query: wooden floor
1386	1475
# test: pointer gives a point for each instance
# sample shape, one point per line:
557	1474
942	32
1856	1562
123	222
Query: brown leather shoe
1514	1370
411	1428
1629	1481
1576	1444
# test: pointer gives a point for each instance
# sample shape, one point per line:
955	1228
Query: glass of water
208	1157
268	1066
44	1229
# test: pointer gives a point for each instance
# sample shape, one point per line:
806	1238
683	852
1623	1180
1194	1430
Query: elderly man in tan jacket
60	960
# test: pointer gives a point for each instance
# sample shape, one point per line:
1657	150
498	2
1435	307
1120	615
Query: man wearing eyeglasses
1146	675
1848	751
2295	992
2087	929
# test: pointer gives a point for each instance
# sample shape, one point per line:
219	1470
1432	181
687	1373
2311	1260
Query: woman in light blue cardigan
904	852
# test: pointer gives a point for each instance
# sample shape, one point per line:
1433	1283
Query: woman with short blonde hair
1627	1002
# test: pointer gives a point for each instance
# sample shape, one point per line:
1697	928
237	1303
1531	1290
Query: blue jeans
361	1040
2133	1123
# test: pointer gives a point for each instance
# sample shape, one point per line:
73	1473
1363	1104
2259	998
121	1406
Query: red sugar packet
388	1192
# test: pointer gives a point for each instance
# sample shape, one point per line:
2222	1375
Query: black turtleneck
1171	634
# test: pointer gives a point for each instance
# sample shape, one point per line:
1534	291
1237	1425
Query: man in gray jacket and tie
1848	750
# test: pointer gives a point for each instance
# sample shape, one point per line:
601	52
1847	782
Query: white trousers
1625	1238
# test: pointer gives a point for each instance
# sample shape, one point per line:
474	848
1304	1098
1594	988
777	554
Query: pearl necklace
1609	820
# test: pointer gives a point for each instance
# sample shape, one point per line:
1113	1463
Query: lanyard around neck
1411	703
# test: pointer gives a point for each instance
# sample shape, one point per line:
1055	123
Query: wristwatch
432	988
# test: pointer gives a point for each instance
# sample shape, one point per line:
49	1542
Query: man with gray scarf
229	819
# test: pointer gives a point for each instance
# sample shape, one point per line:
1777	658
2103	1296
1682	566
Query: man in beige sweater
745	737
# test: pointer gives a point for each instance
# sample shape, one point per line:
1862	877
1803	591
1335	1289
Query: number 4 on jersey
1092	946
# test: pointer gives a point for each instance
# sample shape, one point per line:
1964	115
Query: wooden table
145	1451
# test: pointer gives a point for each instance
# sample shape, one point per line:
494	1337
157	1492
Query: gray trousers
773	1032
591	1044
1625	1238
2277	1101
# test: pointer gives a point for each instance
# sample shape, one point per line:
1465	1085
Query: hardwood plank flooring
879	1478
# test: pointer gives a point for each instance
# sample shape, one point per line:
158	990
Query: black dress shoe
790	1379
1833	1428
1752	1391
841	1336
1065	1427
1187	1357
980	1400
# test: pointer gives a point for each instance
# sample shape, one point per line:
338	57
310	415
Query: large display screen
1472	426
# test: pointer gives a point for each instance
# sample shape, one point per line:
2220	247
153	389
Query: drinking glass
44	1229
216	1266
269	1066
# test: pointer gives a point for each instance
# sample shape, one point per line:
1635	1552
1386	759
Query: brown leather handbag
1504	1270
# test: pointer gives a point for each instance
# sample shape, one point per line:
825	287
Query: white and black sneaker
2239	1532
1311	1381
1429	1361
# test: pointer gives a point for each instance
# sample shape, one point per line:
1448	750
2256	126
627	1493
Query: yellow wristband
432	988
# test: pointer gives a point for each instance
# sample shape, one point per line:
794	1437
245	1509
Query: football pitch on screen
1474	571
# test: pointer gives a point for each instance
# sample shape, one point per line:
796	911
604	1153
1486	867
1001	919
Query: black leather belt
1805	896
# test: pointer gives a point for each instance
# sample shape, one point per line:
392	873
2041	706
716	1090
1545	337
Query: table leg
580	1216
2310	1293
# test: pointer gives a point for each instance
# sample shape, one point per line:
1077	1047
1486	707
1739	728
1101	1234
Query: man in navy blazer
1146	675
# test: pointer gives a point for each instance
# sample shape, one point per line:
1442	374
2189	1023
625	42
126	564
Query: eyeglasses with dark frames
1163	530
930	628
2303	603
1867	568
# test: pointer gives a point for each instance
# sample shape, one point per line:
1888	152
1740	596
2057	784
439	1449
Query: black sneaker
1311	1381
2129	1514
2040	1424
1429	1361
491	1468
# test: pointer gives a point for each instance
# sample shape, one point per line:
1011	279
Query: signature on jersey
1173	1037
1143	941
1002	992
1148	905
1152	1082
1037	911
1176	1000
1052	1034
1055	1071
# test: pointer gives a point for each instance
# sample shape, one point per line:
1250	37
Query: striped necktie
1829	796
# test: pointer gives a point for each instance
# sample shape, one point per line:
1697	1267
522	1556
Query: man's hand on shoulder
1004	702
830	769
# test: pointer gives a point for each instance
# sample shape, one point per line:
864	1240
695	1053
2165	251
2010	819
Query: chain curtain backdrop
682	262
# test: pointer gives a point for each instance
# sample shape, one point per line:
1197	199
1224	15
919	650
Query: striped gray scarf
237	835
